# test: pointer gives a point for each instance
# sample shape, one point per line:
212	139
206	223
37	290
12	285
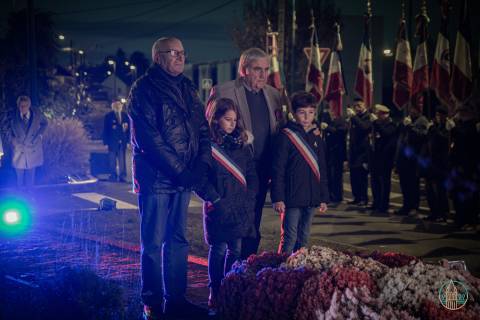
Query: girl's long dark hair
221	107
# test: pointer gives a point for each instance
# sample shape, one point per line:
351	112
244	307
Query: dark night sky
100	27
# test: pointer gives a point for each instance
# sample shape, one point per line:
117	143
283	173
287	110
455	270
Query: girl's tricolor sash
225	161
305	150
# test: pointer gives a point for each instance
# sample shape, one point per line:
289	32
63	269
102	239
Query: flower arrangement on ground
322	283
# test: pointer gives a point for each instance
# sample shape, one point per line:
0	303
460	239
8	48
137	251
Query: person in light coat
26	129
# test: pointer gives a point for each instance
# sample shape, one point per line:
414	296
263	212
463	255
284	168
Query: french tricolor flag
364	78
461	81
421	80
402	69
440	79
335	84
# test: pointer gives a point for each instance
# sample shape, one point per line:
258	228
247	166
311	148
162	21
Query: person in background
26	133
412	138
465	167
384	141
299	174
437	153
359	146
334	130
116	135
260	111
228	194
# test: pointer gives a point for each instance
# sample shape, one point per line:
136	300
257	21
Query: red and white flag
316	57
461	81
402	69
335	84
420	66
274	76
440	78
364	78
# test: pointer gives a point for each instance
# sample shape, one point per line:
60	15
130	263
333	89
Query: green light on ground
15	217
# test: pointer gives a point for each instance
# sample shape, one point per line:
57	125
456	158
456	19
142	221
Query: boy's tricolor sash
305	150
224	160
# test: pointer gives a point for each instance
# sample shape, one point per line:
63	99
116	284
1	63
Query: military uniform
437	148
465	172
384	139
335	136
360	127
409	151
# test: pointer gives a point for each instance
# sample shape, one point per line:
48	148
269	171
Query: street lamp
127	63
114	66
387	52
134	70
82	56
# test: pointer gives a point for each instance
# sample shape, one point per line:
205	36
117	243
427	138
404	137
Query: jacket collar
170	86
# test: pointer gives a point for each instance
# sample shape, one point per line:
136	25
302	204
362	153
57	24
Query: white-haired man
26	131
261	113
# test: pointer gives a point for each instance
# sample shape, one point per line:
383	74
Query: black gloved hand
185	178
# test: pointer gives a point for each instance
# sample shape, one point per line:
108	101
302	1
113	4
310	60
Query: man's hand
373	117
323	125
323	208
450	124
429	124
407	121
350	112
279	207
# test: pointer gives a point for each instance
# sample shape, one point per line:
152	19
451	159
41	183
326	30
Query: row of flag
452	85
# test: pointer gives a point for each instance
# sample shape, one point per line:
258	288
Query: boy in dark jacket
229	194
299	179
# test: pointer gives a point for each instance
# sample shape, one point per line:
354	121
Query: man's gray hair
157	45
247	57
23	99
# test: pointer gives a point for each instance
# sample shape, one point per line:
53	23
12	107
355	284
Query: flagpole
337	28
292	48
429	102
406	111
314	40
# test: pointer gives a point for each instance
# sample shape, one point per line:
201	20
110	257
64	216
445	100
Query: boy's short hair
302	99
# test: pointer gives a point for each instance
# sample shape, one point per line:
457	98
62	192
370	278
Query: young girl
228	194
299	177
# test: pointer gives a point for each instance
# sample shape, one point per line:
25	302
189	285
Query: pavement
344	225
67	227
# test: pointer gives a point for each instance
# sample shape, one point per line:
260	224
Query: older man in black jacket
171	151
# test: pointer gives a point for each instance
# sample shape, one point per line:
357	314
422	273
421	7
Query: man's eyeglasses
175	53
